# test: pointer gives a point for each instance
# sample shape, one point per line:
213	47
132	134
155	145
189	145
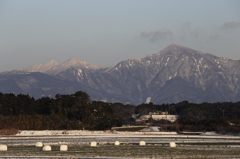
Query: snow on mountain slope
148	76
174	74
72	63
42	67
54	67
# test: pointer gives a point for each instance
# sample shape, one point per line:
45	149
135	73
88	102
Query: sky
105	32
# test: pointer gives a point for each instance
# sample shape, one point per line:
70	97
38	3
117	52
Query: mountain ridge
41	67
54	67
175	74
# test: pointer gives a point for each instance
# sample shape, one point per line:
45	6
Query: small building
155	116
171	118
158	113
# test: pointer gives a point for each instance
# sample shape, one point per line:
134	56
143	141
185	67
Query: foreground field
157	145
127	151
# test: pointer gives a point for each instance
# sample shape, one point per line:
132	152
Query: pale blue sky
105	32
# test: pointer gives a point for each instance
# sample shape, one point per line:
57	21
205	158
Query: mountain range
175	74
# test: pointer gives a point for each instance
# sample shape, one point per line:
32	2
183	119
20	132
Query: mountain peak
72	63
177	48
175	45
72	60
42	67
53	62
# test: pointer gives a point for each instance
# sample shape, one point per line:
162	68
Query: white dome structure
142	143
93	144
46	148
172	144
39	144
117	143
63	148
3	147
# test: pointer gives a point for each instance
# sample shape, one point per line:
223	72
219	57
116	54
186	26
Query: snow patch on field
81	132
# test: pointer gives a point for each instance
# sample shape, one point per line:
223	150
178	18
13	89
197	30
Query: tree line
77	112
74	111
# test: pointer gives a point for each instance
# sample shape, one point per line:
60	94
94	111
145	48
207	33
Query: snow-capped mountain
175	74
42	67
54	67
72	63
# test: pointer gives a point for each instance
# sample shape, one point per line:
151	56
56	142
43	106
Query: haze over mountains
173	75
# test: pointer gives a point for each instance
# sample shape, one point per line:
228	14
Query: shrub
8	131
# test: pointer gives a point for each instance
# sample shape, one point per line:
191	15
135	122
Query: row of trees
77	111
74	111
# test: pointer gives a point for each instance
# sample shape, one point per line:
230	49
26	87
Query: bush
9	131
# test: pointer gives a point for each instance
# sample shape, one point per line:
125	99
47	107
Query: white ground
83	137
80	137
